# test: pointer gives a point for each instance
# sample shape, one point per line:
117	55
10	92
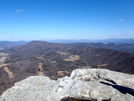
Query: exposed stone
82	85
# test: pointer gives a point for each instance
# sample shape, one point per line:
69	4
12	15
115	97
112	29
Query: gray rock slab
82	85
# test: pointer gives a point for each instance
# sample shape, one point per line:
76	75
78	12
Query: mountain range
125	47
57	60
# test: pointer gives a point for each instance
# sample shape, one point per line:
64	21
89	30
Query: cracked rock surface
82	85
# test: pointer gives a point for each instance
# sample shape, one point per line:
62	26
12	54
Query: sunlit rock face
82	85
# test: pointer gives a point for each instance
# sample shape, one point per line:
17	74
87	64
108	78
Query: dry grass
10	74
60	73
53	61
73	58
102	65
63	53
85	66
1	65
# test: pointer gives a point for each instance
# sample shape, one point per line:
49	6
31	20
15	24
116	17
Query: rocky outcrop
82	85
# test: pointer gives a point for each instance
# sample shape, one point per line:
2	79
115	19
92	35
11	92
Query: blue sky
66	19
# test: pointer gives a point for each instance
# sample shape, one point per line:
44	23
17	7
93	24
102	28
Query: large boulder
82	85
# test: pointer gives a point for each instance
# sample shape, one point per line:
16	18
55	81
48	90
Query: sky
24	20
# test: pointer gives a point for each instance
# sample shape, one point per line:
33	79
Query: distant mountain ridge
126	47
110	40
9	44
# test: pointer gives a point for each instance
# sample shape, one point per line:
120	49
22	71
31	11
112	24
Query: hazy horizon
75	40
25	20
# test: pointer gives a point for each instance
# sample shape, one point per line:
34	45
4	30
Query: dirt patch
73	58
10	74
102	65
40	70
63	53
40	58
85	66
60	73
53	61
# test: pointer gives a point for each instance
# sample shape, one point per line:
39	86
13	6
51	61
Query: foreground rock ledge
82	85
